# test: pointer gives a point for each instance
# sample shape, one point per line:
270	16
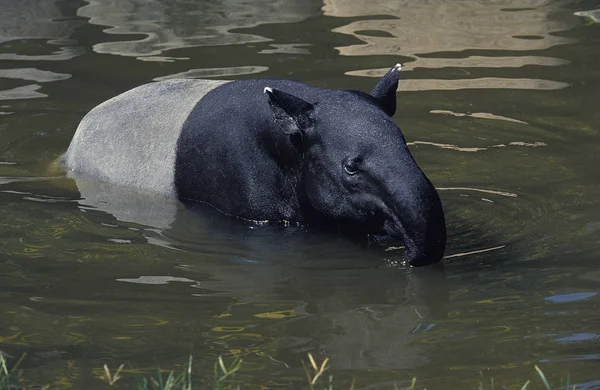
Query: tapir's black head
358	169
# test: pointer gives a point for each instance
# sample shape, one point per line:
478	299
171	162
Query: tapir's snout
417	218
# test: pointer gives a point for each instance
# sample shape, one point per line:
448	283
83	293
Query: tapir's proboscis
268	150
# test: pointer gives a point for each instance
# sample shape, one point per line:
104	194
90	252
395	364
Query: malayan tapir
268	150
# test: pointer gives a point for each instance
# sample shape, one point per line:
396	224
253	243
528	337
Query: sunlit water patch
178	24
458	36
215	72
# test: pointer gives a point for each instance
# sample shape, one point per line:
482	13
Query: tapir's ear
292	114
385	90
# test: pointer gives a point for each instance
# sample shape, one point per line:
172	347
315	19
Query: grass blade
525	385
541	374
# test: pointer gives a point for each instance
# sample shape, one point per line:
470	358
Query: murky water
499	100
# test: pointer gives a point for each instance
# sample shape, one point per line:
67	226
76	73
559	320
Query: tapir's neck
286	150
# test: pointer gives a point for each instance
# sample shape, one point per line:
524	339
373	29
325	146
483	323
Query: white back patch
131	139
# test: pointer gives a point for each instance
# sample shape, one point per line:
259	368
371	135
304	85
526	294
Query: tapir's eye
351	166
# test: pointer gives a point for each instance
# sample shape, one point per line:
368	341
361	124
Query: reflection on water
484	115
28	74
60	54
26	92
214	72
26	22
177	24
439	34
26	19
479	83
452	25
476	149
32	74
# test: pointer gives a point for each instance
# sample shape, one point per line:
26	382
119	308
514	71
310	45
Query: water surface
499	102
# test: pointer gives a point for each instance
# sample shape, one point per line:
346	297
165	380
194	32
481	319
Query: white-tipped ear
268	90
385	90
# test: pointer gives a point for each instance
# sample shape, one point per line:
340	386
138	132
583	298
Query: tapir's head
357	169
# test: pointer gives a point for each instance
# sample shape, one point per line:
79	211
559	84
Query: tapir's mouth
419	250
385	229
393	228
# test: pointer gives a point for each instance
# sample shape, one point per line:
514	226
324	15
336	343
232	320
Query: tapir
268	150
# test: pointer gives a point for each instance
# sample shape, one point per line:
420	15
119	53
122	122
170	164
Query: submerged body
273	150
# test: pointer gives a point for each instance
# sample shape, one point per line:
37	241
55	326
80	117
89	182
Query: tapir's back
131	139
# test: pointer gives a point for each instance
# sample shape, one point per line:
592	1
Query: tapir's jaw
421	227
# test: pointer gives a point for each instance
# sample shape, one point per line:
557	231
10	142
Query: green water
500	102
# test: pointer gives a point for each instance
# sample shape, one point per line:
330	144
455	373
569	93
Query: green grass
180	381
11	379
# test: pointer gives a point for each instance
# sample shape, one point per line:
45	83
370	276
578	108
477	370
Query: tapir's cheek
325	199
328	198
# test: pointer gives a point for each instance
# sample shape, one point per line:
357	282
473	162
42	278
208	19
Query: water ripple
452	25
29	19
481	115
176	24
215	72
33	74
24	92
475	83
453	28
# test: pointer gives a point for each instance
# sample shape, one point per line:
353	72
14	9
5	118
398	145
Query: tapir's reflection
349	303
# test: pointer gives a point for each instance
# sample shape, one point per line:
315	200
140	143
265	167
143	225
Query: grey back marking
131	139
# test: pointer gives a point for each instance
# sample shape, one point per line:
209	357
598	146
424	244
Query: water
499	101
